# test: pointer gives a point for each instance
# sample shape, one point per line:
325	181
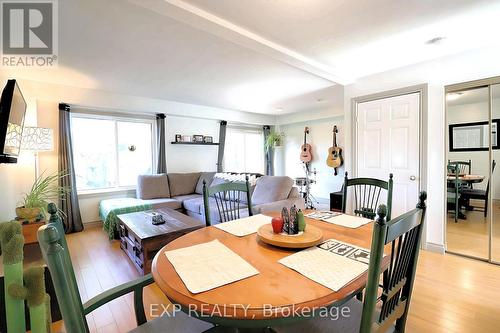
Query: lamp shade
38	139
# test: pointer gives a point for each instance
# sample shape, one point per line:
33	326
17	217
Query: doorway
473	179
387	139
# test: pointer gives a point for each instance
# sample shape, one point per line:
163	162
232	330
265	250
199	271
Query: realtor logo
29	33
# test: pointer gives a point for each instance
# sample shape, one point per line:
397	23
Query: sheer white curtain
244	151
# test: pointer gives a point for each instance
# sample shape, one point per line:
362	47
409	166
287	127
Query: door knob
412	177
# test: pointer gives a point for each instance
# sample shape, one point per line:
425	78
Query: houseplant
44	189
274	139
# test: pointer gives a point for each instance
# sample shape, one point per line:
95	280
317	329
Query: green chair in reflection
227	201
454	188
387	297
56	255
366	194
464	168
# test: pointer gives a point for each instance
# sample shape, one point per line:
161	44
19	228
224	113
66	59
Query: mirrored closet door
473	181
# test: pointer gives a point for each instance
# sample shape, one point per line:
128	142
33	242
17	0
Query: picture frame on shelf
197	138
208	139
186	138
178	138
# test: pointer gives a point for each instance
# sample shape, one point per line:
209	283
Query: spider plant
274	139
45	189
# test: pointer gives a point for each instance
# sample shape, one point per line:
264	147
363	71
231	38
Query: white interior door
388	142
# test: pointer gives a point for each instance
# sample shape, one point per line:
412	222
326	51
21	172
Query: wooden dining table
275	296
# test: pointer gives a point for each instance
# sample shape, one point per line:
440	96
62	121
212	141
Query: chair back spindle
228	198
366	194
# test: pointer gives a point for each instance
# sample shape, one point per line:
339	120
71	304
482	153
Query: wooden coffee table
141	240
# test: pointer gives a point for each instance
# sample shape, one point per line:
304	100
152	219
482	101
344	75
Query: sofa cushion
194	205
164	203
183	183
152	186
208	177
271	188
182	198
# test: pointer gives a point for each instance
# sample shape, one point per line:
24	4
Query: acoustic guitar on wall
306	149
334	158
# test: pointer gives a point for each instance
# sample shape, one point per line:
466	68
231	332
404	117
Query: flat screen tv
12	111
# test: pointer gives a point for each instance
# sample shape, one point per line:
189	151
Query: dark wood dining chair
366	195
385	307
468	194
231	200
56	255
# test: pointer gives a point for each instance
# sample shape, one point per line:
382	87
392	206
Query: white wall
187	158
320	137
437	73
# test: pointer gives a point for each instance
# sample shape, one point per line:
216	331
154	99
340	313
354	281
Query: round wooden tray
310	237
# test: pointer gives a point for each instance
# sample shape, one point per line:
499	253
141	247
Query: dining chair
385	307
454	188
477	194
56	254
366	193
232	201
464	168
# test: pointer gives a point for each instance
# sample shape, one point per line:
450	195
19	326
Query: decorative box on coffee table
141	240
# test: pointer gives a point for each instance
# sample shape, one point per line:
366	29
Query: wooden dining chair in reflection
385	307
466	195
226	202
365	193
56	255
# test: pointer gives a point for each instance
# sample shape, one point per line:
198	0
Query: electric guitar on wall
334	158
306	149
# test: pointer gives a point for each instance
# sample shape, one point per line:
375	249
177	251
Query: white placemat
348	221
209	265
245	226
332	264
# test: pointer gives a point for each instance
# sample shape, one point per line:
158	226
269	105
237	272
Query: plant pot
27	213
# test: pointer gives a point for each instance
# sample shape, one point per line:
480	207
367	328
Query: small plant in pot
274	139
44	189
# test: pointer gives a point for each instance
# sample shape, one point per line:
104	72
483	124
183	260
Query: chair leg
486	207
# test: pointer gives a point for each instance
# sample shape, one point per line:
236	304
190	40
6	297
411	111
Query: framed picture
178	138
197	138
186	138
474	136
208	139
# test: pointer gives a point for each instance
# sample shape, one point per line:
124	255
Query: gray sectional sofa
184	192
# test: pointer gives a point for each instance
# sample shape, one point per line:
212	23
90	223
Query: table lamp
37	139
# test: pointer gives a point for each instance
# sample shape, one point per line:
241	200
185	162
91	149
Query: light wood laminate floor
471	236
452	294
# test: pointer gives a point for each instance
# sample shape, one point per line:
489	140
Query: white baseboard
438	248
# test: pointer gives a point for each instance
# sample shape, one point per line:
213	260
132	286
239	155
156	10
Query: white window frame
116	119
248	129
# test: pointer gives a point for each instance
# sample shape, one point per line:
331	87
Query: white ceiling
254	55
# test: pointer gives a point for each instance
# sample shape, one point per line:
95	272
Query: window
110	152
244	150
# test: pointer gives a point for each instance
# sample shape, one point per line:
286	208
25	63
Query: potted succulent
44	189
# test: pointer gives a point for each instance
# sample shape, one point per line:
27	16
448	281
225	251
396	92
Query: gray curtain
161	167
69	203
269	153
222	141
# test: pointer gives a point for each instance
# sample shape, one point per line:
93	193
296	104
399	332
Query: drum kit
304	184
